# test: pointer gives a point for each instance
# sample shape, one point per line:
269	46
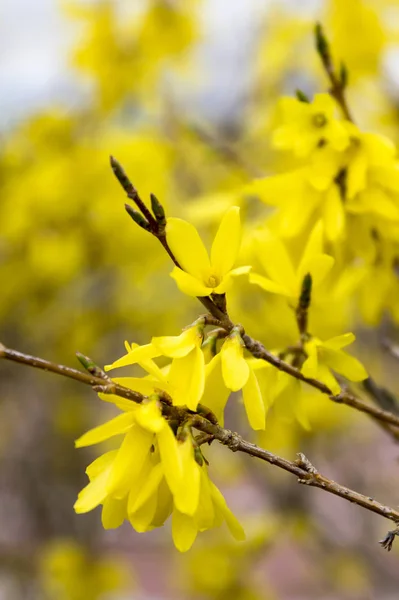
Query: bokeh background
183	93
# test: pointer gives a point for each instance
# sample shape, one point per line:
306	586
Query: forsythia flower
305	125
372	178
238	375
151	475
201	275
303	196
324	356
284	278
185	379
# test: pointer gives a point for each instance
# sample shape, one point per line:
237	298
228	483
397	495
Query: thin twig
302	468
338	83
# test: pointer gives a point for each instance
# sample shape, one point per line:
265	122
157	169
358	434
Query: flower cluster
156	472
344	178
159	470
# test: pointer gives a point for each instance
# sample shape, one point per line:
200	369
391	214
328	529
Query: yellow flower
201	275
304	196
372	180
216	394
184	380
324	356
305	125
152	474
212	511
238	375
283	277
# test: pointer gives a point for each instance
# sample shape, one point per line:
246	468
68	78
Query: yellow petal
268	285
147	364
113	513
339	341
241	270
205	515
186	497
122	403
224	285
314	245
100	464
298	212
190	285
232	522
345	364
170	457
187	377
164	505
138	497
311	365
226	244
333	214
184	531
276	189
187	247
149	416
138	354
276	261
323	103
142	518
324	374
178	345
93	494
253	402
120	424
216	393
356	180
318	266
235	369
129	461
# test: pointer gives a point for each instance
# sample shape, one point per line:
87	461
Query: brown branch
302	468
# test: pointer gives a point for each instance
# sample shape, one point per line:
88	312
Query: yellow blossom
283	277
304	196
326	356
238	375
201	275
372	177
150	475
305	125
212	511
185	378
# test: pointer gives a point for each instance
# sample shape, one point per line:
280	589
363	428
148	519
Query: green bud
88	364
121	175
302	97
306	292
137	217
158	210
321	41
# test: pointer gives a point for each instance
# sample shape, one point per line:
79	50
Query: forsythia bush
304	212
